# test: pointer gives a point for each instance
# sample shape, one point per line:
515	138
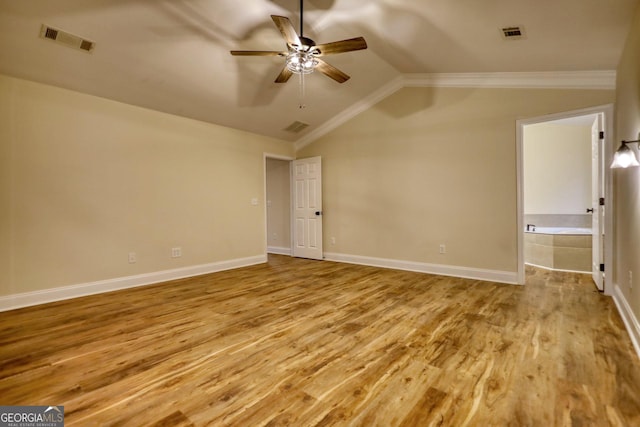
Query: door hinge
601	201
602	267
601	134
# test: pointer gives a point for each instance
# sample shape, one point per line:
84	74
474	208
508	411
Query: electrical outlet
333	240
176	252
132	258
254	201
443	249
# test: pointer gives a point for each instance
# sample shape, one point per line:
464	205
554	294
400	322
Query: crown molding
603	80
522	80
349	113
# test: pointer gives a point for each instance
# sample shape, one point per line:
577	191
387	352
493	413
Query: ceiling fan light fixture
303	55
301	62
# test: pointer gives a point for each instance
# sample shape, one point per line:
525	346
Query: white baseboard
27	299
442	270
629	319
278	250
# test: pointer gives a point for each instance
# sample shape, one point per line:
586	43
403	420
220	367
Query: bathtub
559	248
561	230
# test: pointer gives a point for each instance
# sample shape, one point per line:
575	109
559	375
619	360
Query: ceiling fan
303	54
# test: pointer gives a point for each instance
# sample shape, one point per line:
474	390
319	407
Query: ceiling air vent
512	33
67	39
296	127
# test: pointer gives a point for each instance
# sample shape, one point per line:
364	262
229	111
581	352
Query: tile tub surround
558	251
558	220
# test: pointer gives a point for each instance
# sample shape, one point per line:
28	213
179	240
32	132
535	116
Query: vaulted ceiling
173	55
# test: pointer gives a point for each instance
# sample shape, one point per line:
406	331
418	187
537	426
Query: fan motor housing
307	42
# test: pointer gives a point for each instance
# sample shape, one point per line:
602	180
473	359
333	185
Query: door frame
289	159
597	191
609	147
310	215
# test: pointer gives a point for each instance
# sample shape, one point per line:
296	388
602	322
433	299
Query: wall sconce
624	157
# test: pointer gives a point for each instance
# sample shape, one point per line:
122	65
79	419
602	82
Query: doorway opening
293	206
278	204
564	193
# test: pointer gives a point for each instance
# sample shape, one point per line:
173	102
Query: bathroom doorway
562	192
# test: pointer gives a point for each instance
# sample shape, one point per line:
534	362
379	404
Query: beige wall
278	204
433	165
6	190
627	181
85	181
557	168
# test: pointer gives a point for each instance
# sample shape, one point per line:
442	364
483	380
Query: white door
597	191
307	208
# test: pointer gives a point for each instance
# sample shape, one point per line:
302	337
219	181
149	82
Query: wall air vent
296	127
512	33
66	39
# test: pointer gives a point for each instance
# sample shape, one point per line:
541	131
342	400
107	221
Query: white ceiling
173	55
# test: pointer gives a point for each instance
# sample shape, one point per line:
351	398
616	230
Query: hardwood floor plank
310	343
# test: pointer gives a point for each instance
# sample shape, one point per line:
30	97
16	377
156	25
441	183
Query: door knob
590	210
318	213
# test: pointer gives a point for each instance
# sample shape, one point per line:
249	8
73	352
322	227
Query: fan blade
287	30
284	75
331	71
349	45
257	53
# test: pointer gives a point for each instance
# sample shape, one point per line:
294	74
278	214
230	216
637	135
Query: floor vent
66	39
512	33
296	127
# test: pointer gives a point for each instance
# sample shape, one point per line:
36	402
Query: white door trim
597	191
609	148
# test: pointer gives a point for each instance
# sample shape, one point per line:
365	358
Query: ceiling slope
173	56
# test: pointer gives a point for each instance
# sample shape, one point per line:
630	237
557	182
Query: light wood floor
305	343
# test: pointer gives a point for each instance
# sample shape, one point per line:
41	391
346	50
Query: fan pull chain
301	100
